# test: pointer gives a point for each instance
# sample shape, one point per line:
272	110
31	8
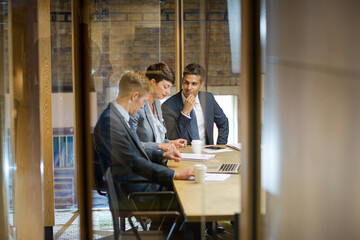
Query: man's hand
179	143
173	154
183	175
188	104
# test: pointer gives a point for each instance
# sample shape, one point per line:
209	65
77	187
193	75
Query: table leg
214	230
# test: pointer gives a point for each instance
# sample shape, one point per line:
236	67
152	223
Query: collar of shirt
123	112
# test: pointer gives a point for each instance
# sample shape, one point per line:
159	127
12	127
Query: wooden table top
211	201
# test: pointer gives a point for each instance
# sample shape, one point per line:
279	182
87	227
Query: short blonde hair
134	81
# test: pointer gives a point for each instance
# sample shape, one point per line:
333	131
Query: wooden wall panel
179	43
45	108
249	126
82	140
28	208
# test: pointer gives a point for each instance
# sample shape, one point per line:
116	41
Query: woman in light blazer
148	122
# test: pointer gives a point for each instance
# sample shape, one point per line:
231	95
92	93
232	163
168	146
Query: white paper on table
197	157
217	177
216	150
214	177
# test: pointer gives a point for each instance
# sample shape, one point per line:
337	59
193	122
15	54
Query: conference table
210	201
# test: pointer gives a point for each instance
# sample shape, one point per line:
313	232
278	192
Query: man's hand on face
173	154
189	104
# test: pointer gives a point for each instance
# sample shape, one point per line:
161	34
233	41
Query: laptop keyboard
229	167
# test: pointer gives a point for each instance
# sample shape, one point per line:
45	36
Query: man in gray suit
117	146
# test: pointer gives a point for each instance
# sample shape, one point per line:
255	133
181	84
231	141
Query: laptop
224	168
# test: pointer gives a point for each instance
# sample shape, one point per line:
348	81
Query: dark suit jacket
179	126
117	147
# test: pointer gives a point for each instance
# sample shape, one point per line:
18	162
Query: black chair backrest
121	207
99	178
118	199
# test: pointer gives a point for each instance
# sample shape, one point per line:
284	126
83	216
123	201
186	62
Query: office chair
98	181
124	206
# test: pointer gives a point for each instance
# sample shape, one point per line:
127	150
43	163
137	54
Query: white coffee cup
200	172
196	146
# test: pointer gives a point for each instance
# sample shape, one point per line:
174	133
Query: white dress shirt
199	117
122	112
159	129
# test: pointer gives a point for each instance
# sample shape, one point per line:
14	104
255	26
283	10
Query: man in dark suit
120	148
191	113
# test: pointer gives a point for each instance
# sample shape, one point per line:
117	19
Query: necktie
194	133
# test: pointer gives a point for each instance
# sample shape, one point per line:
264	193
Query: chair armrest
133	181
156	195
120	182
162	193
154	213
150	214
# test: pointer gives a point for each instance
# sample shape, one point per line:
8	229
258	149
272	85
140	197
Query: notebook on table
224	168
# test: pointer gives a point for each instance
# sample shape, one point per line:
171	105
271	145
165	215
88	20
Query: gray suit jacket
118	147
144	126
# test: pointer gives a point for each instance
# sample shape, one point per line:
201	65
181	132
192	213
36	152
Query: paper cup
196	146
200	172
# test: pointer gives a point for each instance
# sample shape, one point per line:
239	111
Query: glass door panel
7	163
212	38
67	219
124	35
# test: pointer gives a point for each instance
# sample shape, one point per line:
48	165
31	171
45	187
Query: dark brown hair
195	69
160	71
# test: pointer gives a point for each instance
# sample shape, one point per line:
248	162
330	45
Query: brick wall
61	52
125	35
